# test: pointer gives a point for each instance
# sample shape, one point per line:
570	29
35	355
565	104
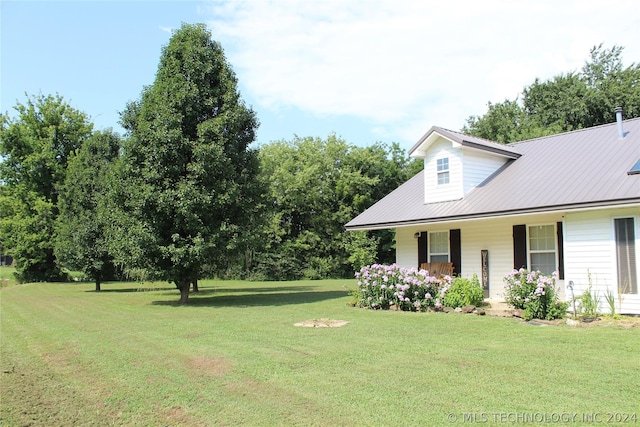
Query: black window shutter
422	248
560	252
455	251
519	246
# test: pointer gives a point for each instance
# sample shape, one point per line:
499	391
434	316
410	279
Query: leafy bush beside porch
535	294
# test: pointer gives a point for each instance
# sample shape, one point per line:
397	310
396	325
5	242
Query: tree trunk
184	291
97	285
195	285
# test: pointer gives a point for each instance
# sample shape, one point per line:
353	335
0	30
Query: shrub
383	286
464	292
534	293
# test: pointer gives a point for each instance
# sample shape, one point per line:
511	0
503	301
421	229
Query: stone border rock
321	323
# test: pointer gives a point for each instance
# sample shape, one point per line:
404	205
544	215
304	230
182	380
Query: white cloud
407	65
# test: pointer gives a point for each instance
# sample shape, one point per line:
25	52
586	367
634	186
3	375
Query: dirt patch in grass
62	357
625	322
214	366
36	397
177	416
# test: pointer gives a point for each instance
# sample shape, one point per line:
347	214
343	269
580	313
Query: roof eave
496	214
434	130
419	148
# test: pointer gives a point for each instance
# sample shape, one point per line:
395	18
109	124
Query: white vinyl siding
451	171
591	259
478	166
452	190
407	247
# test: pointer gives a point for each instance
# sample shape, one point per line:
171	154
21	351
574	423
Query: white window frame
636	230
442	169
430	240
531	252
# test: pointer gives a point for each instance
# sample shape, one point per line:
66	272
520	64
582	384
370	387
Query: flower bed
381	287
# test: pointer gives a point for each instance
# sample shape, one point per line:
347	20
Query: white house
568	203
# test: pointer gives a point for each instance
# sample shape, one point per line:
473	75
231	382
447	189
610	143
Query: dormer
454	163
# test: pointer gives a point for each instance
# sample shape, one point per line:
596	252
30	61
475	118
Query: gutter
576	207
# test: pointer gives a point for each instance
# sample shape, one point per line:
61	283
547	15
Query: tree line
185	194
566	102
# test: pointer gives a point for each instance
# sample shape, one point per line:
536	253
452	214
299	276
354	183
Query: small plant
535	293
622	292
589	303
355	294
464	292
611	301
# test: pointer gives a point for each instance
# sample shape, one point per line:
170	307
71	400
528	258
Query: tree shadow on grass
211	290
104	288
255	299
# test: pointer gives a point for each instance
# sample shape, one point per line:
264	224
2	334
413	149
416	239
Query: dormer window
443	171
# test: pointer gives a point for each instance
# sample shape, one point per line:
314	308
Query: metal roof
574	170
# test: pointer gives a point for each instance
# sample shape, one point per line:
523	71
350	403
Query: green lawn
6	276
130	355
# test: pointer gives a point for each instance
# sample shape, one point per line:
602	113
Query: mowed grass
130	355
7	277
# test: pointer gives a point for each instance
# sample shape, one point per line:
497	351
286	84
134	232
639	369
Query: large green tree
84	219
35	147
186	187
566	102
315	187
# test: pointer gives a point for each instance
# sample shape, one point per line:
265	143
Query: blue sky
367	70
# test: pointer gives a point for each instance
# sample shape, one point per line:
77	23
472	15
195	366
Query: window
626	255
542	248
439	247
443	171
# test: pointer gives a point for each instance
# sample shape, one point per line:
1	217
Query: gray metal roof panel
587	167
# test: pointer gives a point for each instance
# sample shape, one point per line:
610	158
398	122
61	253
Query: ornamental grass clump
534	293
383	286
